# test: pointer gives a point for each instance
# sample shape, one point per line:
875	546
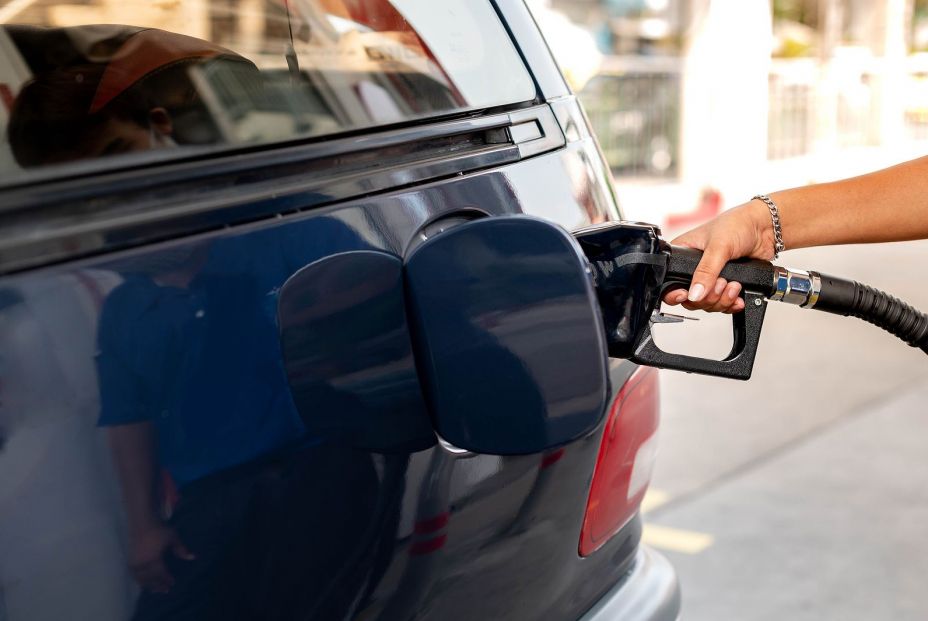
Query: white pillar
723	140
250	24
890	45
828	88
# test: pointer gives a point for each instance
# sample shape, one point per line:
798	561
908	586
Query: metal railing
791	115
838	104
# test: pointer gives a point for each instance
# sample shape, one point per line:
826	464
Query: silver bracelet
778	245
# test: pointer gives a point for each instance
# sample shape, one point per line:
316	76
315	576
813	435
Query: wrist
764	233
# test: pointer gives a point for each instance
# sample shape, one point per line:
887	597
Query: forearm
132	448
887	205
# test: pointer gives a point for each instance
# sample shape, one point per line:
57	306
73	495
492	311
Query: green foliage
802	11
920	10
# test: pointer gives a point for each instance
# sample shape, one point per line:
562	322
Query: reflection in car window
200	73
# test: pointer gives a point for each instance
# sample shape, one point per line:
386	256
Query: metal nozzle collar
796	287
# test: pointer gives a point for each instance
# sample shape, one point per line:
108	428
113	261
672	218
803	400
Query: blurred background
798	494
695	96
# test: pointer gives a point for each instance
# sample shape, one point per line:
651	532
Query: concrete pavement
833	527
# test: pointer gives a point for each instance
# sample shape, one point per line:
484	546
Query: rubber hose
850	298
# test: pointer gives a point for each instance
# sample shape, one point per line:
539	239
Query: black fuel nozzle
633	268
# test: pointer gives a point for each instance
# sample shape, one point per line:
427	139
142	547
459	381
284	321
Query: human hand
744	231
146	557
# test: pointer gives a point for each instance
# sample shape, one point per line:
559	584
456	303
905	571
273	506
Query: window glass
104	78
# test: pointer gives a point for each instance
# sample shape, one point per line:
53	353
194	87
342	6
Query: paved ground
802	494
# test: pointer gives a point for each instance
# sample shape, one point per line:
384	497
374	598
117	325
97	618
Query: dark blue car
226	230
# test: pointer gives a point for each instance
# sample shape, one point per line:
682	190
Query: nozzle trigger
659	317
746	328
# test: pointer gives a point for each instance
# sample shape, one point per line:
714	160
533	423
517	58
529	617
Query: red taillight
626	456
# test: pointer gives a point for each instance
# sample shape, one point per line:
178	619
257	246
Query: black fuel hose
812	290
851	298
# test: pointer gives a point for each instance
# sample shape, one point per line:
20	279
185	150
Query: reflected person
140	97
230	510
192	382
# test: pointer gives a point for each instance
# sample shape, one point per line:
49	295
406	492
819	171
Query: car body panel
511	522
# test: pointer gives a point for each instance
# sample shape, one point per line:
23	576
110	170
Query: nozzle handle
758	282
754	275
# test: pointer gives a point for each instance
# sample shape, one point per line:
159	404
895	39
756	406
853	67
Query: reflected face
117	135
112	137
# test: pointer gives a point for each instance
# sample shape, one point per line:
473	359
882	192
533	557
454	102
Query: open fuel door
507	334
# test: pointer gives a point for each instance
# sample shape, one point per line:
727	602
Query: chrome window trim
52	221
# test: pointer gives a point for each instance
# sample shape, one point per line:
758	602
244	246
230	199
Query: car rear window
115	80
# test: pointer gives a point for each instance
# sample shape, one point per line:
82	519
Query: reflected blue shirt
203	363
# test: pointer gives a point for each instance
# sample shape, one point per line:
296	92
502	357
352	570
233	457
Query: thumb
707	272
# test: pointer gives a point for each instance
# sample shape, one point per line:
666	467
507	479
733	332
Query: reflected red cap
146	52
